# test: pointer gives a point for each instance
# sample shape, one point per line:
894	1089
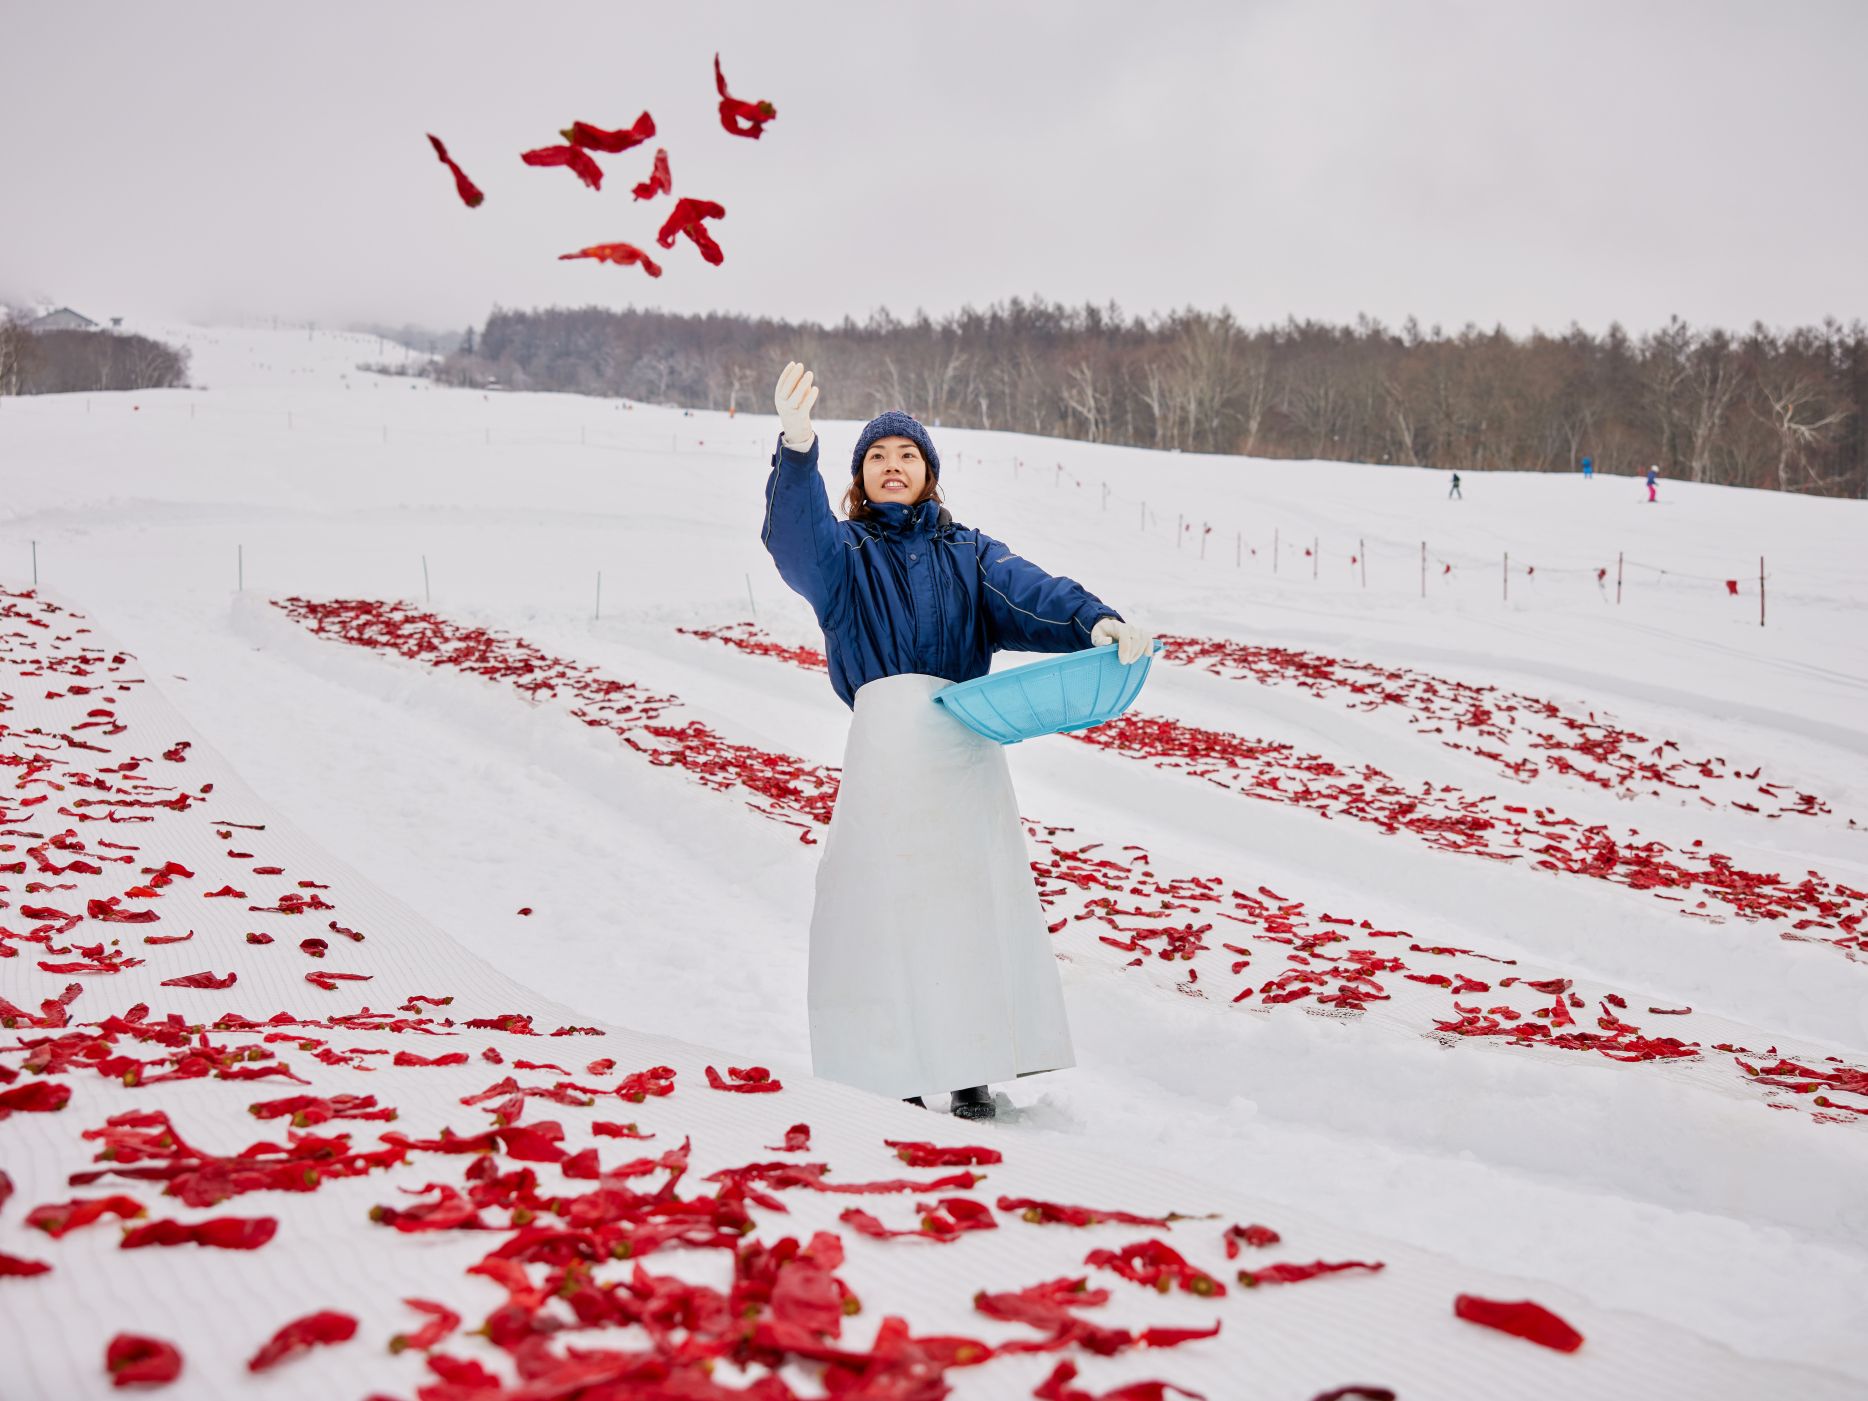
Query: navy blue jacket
910	591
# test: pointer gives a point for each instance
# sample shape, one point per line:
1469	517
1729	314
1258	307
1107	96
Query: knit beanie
895	424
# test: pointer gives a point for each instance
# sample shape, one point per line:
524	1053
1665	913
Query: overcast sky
1515	161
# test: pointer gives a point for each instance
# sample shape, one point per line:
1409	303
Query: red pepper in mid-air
687	219
470	193
611	143
576	157
660	182
732	111
622	254
301	1333
134	1361
1521	1318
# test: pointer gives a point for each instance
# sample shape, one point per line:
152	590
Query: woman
931	968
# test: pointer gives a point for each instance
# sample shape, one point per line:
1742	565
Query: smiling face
894	470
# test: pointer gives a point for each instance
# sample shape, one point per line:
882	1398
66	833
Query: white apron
931	969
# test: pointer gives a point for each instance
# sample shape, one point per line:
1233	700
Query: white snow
1664	1202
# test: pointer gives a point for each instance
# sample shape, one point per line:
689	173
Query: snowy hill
1384	799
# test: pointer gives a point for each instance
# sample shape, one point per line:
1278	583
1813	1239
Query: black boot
916	1101
975	1103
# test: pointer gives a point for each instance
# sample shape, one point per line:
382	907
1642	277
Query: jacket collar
895	518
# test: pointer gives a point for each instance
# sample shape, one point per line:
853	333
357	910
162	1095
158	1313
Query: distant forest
66	362
1786	410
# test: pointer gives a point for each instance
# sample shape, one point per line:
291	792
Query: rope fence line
1191	535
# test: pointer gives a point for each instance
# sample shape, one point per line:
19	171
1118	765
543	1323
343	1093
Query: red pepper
610	142
1042	1212
1296	1274
6	1188
35	1097
257	938
469	192
622	254
202	980
1256	1236
926	1155
221	1232
756	1081
687	218
575	157
732	111
442	1321
58	1219
1522	1319
1056	1387
1157	1265
797	1140
315	1328
315	947
13	1267
168	938
1356	1393
329	981
660	182
134	1361
410	1058
607	1130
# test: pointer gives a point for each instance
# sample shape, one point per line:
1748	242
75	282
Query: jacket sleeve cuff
789	455
1091	614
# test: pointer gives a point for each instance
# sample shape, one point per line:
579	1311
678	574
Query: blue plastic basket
1053	697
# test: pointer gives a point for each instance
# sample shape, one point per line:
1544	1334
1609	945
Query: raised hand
793	398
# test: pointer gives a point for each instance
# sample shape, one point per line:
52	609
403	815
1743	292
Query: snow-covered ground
1668	1192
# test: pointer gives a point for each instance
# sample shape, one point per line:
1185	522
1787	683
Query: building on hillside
64	319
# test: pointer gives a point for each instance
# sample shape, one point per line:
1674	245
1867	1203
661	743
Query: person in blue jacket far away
930	964
1653	480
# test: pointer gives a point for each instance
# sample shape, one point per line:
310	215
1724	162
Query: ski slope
1675	1205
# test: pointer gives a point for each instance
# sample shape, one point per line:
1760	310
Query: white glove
1132	644
793	397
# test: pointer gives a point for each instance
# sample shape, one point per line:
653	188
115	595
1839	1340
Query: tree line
65	362
1786	410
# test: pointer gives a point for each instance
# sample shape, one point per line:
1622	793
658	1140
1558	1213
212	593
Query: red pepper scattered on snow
35	1097
469	192
1056	1387
14	1267
611	143
442	1321
1042	1213
57	1219
202	980
756	1081
1256	1236
575	157
732	111
1157	1265
137	1361
622	254
323	1327
1296	1274
221	1232
1520	1318
797	1140
925	1155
